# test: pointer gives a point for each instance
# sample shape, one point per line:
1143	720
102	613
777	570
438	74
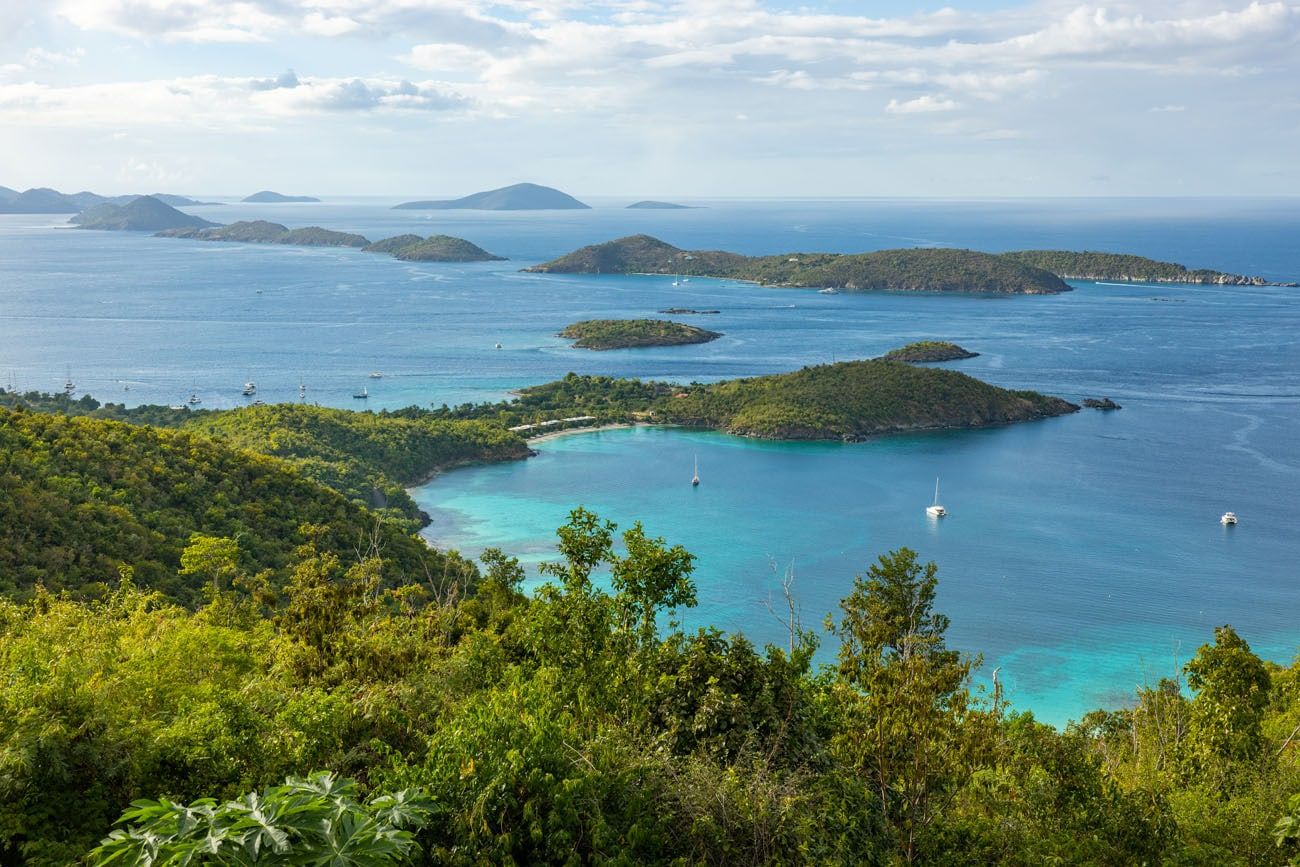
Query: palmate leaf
359	841
407	809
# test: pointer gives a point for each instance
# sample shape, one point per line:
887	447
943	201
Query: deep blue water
1082	555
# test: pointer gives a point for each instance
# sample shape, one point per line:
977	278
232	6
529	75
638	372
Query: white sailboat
250	388
68	385
695	479
935	510
362	394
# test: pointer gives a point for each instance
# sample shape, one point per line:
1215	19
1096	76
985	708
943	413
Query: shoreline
541	438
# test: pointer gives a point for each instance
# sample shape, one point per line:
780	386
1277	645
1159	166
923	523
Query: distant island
687	311
1101	403
928	269
435	248
652	205
518	197
264	232
928	350
604	334
1124	268
270	197
142	214
42	200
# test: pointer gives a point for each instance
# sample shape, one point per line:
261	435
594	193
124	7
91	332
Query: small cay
634	333
928	350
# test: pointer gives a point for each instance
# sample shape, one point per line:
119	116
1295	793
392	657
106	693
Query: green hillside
81	497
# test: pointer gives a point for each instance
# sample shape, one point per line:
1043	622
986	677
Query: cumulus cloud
921	105
213	101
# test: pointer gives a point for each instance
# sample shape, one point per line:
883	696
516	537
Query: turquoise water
1083	554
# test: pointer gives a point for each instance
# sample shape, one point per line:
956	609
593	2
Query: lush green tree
1232	692
903	695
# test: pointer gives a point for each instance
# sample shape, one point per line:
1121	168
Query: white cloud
215	102
921	105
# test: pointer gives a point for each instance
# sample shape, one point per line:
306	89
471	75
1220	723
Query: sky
691	99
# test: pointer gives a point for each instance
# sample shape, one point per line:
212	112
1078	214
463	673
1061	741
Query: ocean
1082	555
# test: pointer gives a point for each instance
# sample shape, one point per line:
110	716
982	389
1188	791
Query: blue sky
647	98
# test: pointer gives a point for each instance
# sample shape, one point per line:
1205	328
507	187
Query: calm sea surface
1082	555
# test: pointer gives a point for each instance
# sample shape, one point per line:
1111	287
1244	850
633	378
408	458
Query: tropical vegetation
634	333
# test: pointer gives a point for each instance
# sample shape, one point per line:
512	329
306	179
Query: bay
1082	555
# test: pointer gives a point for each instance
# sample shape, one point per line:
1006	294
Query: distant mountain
180	201
142	214
270	197
518	197
265	232
652	205
435	248
43	200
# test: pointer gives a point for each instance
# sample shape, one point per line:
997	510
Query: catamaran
935	510
250	388
1228	519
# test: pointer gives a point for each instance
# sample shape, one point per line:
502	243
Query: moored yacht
935	510
250	388
1228	519
362	394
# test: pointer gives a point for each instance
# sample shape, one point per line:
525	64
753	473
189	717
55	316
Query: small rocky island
517	197
604	334
265	232
1104	403
928	350
652	205
914	270
142	214
270	197
435	248
688	311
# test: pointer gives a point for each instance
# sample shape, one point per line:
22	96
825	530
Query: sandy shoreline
578	430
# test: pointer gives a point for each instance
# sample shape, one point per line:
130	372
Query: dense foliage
435	248
369	458
854	399
81	499
582	726
928	350
928	269
1119	266
632	333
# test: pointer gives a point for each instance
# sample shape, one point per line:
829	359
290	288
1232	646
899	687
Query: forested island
849	400
435	248
929	269
264	232
149	214
1126	268
634	333
182	619
142	214
929	350
516	197
652	205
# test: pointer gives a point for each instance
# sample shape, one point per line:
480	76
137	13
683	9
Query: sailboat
936	510
68	385
250	388
362	394
695	479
